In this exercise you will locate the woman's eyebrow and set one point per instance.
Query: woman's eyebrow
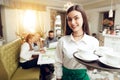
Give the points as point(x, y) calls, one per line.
point(72, 17)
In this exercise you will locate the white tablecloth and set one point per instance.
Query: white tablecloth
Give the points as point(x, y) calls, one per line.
point(47, 58)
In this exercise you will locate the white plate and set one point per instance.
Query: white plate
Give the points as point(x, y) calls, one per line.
point(102, 51)
point(102, 60)
point(87, 58)
point(99, 53)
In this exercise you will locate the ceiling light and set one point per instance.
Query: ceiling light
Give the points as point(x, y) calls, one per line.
point(111, 10)
point(110, 13)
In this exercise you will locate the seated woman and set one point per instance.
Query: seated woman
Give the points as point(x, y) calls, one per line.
point(28, 59)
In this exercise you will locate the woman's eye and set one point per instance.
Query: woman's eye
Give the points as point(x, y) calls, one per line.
point(76, 18)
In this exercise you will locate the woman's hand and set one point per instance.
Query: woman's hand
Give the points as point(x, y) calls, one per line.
point(43, 50)
point(90, 68)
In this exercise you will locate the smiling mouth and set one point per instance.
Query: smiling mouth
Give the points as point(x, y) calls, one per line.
point(74, 27)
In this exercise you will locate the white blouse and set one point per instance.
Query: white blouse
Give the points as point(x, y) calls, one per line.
point(65, 49)
point(25, 53)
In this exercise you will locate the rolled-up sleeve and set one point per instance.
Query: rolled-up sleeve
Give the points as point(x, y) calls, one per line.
point(59, 60)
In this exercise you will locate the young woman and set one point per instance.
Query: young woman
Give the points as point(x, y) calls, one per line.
point(77, 38)
point(28, 59)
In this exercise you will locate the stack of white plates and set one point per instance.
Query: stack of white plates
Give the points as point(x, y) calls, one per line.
point(86, 56)
point(111, 59)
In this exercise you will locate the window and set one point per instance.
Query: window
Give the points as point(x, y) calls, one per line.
point(58, 21)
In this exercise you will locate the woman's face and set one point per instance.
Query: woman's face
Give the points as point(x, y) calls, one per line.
point(31, 40)
point(75, 20)
point(34, 39)
point(37, 37)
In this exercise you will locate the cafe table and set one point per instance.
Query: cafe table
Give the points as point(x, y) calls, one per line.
point(48, 57)
point(100, 68)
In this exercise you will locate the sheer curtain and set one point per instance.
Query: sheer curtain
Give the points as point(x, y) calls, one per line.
point(25, 22)
point(26, 26)
point(15, 19)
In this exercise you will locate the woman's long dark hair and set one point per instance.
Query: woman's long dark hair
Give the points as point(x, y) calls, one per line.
point(85, 26)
